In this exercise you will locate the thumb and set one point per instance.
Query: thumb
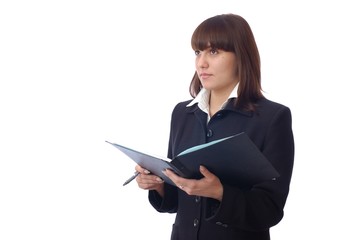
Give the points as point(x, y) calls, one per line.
point(204, 171)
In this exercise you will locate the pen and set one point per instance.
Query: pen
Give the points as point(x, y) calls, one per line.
point(131, 178)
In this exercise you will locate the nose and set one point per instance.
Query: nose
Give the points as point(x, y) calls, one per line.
point(201, 61)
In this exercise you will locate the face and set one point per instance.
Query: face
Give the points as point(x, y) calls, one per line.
point(216, 69)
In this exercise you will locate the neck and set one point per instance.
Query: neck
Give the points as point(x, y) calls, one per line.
point(217, 98)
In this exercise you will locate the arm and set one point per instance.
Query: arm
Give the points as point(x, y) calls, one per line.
point(161, 195)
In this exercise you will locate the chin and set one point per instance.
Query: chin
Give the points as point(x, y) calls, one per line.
point(207, 86)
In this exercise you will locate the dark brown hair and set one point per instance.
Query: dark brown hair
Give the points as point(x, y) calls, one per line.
point(232, 33)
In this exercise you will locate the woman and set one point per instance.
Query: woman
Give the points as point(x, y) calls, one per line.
point(227, 99)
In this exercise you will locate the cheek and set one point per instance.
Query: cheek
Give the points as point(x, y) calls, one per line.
point(196, 65)
point(232, 67)
point(227, 66)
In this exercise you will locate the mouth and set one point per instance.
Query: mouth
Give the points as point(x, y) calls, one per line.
point(204, 75)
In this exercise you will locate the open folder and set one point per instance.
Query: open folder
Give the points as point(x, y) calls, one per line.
point(235, 160)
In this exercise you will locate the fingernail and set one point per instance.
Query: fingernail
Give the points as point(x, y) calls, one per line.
point(146, 171)
point(159, 179)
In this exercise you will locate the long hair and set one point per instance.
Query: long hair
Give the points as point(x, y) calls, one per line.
point(232, 33)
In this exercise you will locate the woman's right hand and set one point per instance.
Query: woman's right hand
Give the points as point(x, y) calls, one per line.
point(148, 181)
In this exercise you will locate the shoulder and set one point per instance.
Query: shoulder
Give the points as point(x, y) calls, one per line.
point(181, 107)
point(266, 105)
point(183, 104)
point(273, 112)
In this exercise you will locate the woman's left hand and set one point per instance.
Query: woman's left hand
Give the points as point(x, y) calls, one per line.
point(209, 186)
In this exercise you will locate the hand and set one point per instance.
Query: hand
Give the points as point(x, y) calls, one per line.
point(149, 181)
point(209, 186)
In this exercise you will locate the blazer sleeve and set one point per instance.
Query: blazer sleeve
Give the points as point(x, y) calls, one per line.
point(169, 203)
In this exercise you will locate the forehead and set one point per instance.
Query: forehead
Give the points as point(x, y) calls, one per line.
point(213, 33)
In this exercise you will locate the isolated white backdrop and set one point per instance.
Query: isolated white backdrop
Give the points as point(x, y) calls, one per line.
point(76, 73)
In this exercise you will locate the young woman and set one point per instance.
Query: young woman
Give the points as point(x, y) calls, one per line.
point(227, 99)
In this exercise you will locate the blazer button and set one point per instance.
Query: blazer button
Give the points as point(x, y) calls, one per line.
point(222, 224)
point(198, 199)
point(209, 133)
point(195, 222)
point(219, 115)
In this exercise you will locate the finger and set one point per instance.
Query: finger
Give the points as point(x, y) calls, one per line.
point(174, 177)
point(138, 168)
point(149, 178)
point(205, 172)
point(170, 174)
point(149, 186)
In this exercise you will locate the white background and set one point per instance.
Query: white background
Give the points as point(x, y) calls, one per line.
point(76, 73)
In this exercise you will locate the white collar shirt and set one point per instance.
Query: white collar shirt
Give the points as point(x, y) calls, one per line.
point(202, 99)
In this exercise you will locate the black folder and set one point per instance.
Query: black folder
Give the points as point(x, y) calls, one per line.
point(235, 160)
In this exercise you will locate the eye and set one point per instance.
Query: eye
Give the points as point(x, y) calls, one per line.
point(213, 51)
point(197, 52)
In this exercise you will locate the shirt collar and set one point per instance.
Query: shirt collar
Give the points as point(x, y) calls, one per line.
point(202, 99)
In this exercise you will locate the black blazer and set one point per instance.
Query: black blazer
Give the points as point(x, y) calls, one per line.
point(243, 213)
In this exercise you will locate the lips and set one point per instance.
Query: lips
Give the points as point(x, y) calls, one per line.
point(204, 75)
